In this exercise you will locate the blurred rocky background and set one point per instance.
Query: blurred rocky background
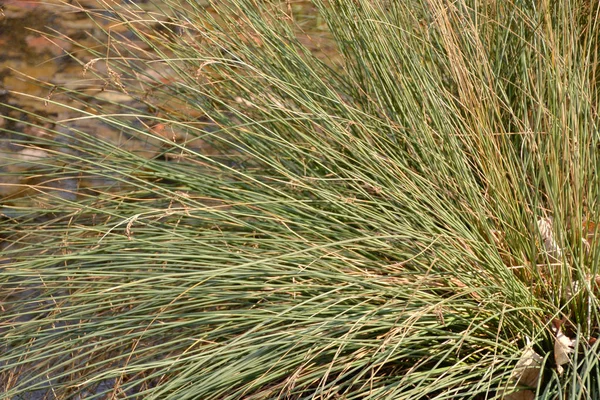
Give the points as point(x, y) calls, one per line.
point(38, 52)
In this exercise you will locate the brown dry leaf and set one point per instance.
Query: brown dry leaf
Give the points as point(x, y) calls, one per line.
point(520, 395)
point(563, 346)
point(527, 370)
point(526, 373)
point(550, 245)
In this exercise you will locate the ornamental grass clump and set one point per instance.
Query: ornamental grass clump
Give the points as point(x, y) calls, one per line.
point(335, 200)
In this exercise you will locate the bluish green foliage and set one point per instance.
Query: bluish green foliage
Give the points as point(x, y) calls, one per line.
point(361, 223)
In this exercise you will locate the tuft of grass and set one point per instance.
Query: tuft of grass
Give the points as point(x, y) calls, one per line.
point(334, 200)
